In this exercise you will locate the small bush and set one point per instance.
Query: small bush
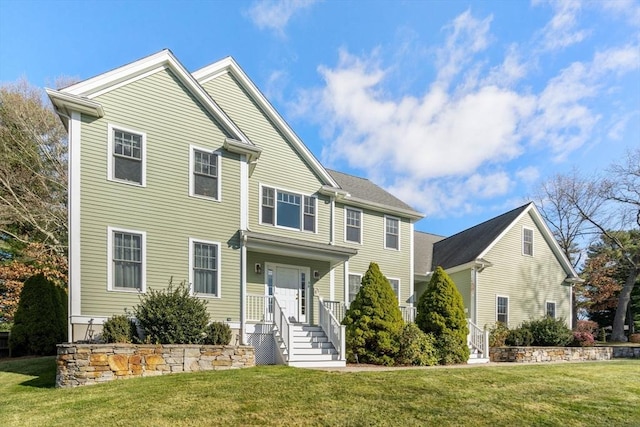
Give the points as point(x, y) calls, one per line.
point(119, 329)
point(172, 316)
point(498, 335)
point(519, 337)
point(583, 339)
point(415, 347)
point(450, 350)
point(587, 326)
point(548, 332)
point(217, 333)
point(634, 338)
point(40, 322)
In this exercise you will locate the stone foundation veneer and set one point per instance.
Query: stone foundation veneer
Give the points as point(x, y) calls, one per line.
point(559, 354)
point(85, 364)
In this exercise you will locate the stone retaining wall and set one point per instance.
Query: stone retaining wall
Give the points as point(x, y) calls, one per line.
point(84, 364)
point(558, 354)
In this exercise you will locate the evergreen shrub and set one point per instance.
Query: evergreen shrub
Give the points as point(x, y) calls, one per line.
point(172, 316)
point(440, 311)
point(519, 337)
point(119, 329)
point(217, 333)
point(40, 321)
point(548, 332)
point(415, 347)
point(373, 321)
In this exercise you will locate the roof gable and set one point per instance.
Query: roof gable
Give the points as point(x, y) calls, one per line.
point(78, 95)
point(423, 251)
point(229, 65)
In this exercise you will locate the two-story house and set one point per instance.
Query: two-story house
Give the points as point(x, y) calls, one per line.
point(196, 177)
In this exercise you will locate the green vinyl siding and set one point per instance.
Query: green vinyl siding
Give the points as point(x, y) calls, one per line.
point(393, 263)
point(280, 166)
point(528, 281)
point(160, 106)
point(462, 280)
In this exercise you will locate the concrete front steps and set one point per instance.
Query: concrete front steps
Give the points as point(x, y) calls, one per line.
point(312, 349)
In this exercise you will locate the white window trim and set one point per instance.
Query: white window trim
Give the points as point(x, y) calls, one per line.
point(532, 241)
point(143, 285)
point(361, 242)
point(508, 315)
point(218, 154)
point(193, 240)
point(110, 128)
point(352, 274)
point(385, 232)
point(555, 308)
point(275, 208)
point(399, 286)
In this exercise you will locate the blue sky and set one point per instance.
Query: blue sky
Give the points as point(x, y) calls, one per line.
point(460, 108)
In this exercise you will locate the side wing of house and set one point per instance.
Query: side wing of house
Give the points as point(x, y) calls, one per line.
point(154, 195)
point(528, 278)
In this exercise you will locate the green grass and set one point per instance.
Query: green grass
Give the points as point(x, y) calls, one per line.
point(568, 394)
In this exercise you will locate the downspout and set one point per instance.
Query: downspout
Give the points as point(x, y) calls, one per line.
point(332, 220)
point(243, 287)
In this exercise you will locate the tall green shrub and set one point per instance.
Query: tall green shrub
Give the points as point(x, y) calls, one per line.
point(172, 316)
point(440, 311)
point(373, 321)
point(40, 322)
point(119, 329)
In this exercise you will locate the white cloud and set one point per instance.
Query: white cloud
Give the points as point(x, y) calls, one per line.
point(275, 14)
point(528, 174)
point(562, 30)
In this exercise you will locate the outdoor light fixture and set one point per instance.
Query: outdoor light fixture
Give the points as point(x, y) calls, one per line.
point(258, 268)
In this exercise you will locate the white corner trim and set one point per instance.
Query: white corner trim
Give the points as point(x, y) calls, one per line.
point(411, 266)
point(75, 272)
point(332, 284)
point(193, 240)
point(244, 193)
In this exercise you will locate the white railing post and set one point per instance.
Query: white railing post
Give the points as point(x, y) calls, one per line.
point(284, 328)
point(336, 333)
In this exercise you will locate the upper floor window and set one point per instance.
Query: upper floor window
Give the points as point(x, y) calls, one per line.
point(395, 285)
point(205, 173)
point(286, 209)
point(527, 241)
point(355, 281)
point(502, 309)
point(126, 155)
point(126, 260)
point(353, 225)
point(391, 233)
point(551, 309)
point(205, 267)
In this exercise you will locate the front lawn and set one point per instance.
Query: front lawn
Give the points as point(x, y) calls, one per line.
point(567, 394)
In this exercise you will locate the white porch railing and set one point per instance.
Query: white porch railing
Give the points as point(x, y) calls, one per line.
point(260, 308)
point(408, 313)
point(478, 339)
point(337, 308)
point(332, 328)
point(284, 328)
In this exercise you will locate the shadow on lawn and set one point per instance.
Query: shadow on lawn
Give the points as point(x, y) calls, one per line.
point(42, 368)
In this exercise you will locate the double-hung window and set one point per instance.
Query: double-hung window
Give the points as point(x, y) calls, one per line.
point(502, 309)
point(551, 309)
point(391, 233)
point(527, 241)
point(287, 209)
point(205, 173)
point(205, 268)
point(353, 225)
point(126, 155)
point(355, 281)
point(127, 260)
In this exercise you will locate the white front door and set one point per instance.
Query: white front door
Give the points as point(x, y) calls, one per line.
point(289, 287)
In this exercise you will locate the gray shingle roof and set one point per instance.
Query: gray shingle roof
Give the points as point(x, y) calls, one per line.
point(364, 189)
point(467, 245)
point(423, 251)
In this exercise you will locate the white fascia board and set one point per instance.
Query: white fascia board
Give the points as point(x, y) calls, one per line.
point(228, 64)
point(151, 64)
point(66, 103)
point(505, 231)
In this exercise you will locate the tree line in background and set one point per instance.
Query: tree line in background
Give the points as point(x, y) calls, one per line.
point(596, 221)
